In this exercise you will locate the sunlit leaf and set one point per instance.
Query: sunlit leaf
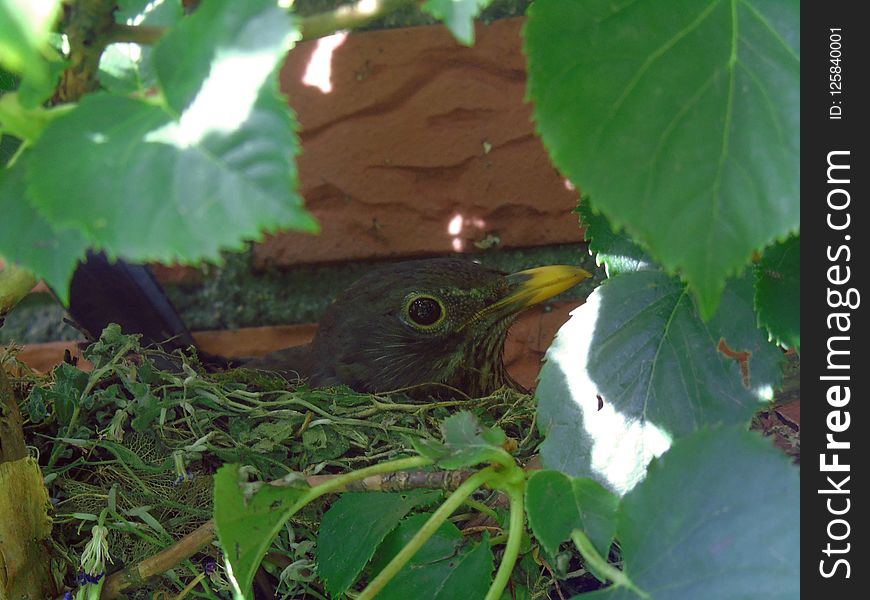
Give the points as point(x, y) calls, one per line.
point(129, 68)
point(636, 367)
point(102, 170)
point(179, 182)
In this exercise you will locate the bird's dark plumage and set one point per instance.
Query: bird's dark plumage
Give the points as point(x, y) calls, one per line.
point(104, 291)
point(440, 321)
point(403, 325)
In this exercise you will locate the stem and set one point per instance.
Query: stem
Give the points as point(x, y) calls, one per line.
point(87, 22)
point(600, 566)
point(15, 284)
point(438, 517)
point(481, 507)
point(190, 587)
point(341, 481)
point(326, 488)
point(348, 16)
point(512, 549)
point(160, 562)
point(133, 34)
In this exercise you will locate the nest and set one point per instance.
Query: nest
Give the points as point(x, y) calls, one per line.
point(139, 437)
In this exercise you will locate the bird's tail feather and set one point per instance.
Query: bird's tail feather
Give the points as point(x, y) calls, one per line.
point(104, 291)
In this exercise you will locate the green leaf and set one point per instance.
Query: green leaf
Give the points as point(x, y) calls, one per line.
point(25, 26)
point(738, 330)
point(129, 68)
point(28, 239)
point(777, 292)
point(557, 504)
point(618, 252)
point(442, 545)
point(466, 443)
point(443, 569)
point(69, 383)
point(36, 405)
point(143, 181)
point(457, 15)
point(230, 49)
point(353, 528)
point(636, 367)
point(101, 170)
point(246, 523)
point(148, 410)
point(682, 120)
point(718, 517)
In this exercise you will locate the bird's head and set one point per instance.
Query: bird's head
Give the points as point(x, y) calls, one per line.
point(429, 321)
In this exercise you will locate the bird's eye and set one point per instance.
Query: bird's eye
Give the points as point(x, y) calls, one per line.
point(425, 311)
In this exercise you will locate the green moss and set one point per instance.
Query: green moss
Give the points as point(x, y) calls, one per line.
point(253, 381)
point(234, 296)
point(38, 317)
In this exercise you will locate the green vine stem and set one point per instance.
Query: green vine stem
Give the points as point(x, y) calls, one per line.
point(516, 529)
point(600, 566)
point(330, 486)
point(481, 507)
point(453, 502)
point(341, 481)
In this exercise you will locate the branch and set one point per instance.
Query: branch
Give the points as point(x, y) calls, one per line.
point(87, 22)
point(133, 34)
point(15, 284)
point(400, 481)
point(192, 543)
point(164, 560)
point(12, 444)
point(347, 16)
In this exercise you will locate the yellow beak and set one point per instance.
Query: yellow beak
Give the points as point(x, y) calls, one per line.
point(532, 286)
point(536, 285)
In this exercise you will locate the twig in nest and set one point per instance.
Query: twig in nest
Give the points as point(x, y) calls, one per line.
point(162, 561)
point(192, 543)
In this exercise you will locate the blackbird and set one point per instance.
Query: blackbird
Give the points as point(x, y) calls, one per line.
point(435, 321)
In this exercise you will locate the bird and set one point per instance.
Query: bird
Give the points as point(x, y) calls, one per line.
point(411, 324)
point(440, 321)
point(104, 290)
